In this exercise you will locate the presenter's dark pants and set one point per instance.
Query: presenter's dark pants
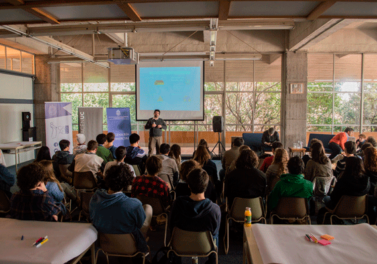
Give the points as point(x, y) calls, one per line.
point(154, 144)
point(335, 150)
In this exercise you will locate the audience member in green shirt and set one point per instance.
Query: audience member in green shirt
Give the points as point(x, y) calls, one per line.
point(103, 152)
point(292, 184)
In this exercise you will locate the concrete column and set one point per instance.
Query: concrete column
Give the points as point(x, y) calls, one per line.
point(46, 89)
point(293, 106)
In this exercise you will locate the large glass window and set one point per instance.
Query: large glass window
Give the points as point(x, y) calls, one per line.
point(339, 96)
point(246, 93)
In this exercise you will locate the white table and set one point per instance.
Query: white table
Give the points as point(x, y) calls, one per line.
point(15, 148)
point(66, 241)
point(286, 244)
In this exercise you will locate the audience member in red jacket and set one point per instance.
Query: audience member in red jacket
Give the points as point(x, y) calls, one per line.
point(337, 143)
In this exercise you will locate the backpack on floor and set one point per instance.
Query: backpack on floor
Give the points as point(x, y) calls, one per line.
point(163, 252)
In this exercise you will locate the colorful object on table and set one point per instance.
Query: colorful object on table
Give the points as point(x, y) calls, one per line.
point(40, 244)
point(327, 237)
point(22, 238)
point(314, 238)
point(324, 242)
point(39, 241)
point(248, 216)
point(308, 238)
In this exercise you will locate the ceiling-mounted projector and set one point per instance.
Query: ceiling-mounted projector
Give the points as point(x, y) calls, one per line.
point(123, 55)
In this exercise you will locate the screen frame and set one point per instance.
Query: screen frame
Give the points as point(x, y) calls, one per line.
point(203, 94)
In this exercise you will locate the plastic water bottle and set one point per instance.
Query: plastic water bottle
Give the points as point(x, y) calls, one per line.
point(248, 216)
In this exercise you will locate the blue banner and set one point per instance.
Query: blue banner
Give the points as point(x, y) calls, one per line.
point(119, 122)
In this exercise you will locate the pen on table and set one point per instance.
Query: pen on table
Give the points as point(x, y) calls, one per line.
point(315, 239)
point(22, 238)
point(40, 244)
point(310, 239)
point(39, 240)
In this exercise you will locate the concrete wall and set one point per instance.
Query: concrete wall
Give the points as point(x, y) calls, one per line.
point(46, 89)
point(293, 106)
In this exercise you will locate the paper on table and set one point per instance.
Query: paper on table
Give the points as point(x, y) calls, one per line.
point(286, 244)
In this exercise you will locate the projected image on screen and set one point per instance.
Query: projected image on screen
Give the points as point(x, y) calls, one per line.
point(174, 88)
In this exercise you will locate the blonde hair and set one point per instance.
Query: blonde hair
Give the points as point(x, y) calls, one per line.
point(50, 175)
point(202, 155)
point(281, 159)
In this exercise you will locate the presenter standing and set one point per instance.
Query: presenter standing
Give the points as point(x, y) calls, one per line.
point(155, 126)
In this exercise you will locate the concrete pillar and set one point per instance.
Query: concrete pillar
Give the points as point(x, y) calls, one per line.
point(293, 106)
point(46, 89)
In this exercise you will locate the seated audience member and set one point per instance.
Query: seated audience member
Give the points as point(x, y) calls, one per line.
point(7, 180)
point(307, 157)
point(112, 212)
point(103, 152)
point(81, 147)
point(360, 142)
point(204, 143)
point(43, 154)
point(203, 157)
point(270, 136)
point(319, 165)
point(63, 156)
point(89, 161)
point(175, 153)
point(370, 165)
point(110, 143)
point(233, 165)
point(246, 181)
point(120, 153)
point(135, 155)
point(337, 142)
point(33, 202)
point(229, 156)
point(169, 166)
point(349, 151)
point(372, 141)
point(360, 153)
point(268, 160)
point(292, 184)
point(53, 186)
point(183, 189)
point(151, 185)
point(277, 168)
point(354, 182)
point(195, 212)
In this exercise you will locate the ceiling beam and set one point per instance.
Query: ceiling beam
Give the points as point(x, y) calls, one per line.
point(118, 38)
point(224, 7)
point(320, 9)
point(48, 3)
point(307, 34)
point(129, 11)
point(42, 15)
point(16, 2)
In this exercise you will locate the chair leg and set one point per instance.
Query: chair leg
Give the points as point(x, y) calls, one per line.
point(217, 258)
point(166, 229)
point(79, 216)
point(143, 258)
point(367, 219)
point(271, 220)
point(226, 236)
point(107, 258)
point(324, 218)
point(95, 261)
point(331, 219)
point(309, 220)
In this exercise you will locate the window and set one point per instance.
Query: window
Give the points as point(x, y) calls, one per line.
point(339, 96)
point(15, 60)
point(246, 93)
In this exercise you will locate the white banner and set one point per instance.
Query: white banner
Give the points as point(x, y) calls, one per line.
point(90, 122)
point(58, 117)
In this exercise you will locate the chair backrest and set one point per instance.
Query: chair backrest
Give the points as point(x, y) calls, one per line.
point(119, 244)
point(239, 204)
point(191, 243)
point(85, 201)
point(325, 138)
point(84, 180)
point(166, 179)
point(137, 170)
point(65, 173)
point(322, 185)
point(156, 204)
point(4, 203)
point(351, 206)
point(253, 140)
point(292, 207)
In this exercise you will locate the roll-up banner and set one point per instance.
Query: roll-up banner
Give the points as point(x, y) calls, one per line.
point(90, 122)
point(119, 122)
point(58, 118)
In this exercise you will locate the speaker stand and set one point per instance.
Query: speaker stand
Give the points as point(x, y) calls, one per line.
point(221, 147)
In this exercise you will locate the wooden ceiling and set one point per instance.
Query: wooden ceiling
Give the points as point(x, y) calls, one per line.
point(57, 11)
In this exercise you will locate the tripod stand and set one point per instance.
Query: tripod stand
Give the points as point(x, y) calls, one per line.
point(221, 147)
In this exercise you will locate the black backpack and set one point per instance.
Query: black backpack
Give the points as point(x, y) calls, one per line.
point(164, 257)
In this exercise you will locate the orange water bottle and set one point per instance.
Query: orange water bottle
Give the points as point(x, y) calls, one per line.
point(247, 216)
